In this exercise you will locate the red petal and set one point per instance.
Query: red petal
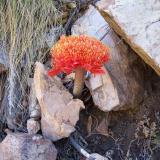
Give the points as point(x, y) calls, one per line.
point(98, 71)
point(53, 72)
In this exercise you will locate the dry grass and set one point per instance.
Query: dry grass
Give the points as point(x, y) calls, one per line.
point(22, 29)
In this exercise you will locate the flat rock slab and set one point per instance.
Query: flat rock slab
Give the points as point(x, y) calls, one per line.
point(138, 22)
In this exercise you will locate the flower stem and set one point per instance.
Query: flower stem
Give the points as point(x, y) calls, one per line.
point(78, 82)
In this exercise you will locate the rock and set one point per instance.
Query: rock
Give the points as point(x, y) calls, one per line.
point(33, 126)
point(104, 94)
point(52, 35)
point(102, 127)
point(69, 3)
point(36, 114)
point(59, 110)
point(138, 22)
point(96, 156)
point(34, 108)
point(124, 68)
point(21, 146)
point(4, 62)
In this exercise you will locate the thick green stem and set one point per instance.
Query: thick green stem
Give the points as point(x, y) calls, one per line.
point(78, 82)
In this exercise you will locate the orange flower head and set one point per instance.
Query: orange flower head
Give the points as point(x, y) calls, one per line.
point(78, 51)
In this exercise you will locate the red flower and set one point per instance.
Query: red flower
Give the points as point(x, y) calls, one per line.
point(78, 51)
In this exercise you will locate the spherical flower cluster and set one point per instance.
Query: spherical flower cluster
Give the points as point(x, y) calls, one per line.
point(78, 51)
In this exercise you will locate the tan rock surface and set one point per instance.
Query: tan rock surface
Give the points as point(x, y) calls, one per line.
point(103, 92)
point(59, 111)
point(138, 22)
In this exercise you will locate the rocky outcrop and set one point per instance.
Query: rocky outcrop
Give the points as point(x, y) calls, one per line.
point(125, 69)
point(21, 146)
point(59, 111)
point(138, 22)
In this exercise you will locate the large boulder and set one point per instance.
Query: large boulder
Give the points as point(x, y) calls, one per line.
point(59, 111)
point(122, 87)
point(138, 22)
point(21, 146)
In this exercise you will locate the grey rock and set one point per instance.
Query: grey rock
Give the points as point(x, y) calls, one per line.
point(52, 35)
point(21, 146)
point(36, 114)
point(34, 108)
point(138, 23)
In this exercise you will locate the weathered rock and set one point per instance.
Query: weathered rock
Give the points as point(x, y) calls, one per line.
point(104, 94)
point(4, 62)
point(124, 67)
point(20, 146)
point(33, 126)
point(34, 108)
point(58, 109)
point(138, 22)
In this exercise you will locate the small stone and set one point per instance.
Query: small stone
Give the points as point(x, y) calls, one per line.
point(37, 137)
point(71, 5)
point(34, 108)
point(36, 114)
point(33, 126)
